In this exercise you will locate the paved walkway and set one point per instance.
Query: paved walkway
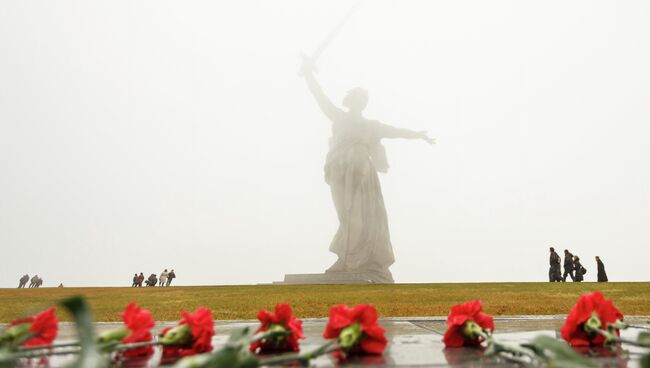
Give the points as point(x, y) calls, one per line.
point(417, 341)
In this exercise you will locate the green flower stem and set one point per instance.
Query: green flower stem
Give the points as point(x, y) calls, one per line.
point(136, 345)
point(515, 351)
point(647, 328)
point(39, 354)
point(613, 338)
point(269, 335)
point(23, 352)
point(303, 358)
point(52, 346)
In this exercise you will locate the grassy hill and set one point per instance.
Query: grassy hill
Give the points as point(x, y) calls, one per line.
point(398, 300)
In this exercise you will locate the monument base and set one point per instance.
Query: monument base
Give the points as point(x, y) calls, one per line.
point(347, 277)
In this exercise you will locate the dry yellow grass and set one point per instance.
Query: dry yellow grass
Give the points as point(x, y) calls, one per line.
point(398, 300)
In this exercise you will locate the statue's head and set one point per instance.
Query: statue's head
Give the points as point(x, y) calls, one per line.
point(356, 99)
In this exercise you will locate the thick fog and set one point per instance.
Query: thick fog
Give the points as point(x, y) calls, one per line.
point(138, 136)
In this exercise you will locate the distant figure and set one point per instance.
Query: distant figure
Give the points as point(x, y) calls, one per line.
point(568, 265)
point(61, 285)
point(579, 270)
point(170, 277)
point(555, 270)
point(23, 281)
point(152, 280)
point(135, 280)
point(33, 281)
point(163, 278)
point(140, 279)
point(602, 275)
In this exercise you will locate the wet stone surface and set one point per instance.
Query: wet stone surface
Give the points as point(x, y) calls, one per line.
point(415, 342)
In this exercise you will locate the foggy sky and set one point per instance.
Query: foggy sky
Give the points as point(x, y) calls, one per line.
point(137, 136)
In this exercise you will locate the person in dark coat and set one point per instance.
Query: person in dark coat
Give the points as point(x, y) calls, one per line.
point(172, 275)
point(33, 281)
point(23, 281)
point(135, 280)
point(152, 280)
point(602, 275)
point(555, 270)
point(578, 269)
point(568, 266)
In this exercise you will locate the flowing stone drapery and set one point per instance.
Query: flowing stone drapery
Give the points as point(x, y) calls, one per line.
point(362, 241)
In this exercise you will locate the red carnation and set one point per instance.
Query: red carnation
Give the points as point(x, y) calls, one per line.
point(281, 320)
point(43, 327)
point(457, 334)
point(192, 335)
point(139, 322)
point(589, 306)
point(356, 329)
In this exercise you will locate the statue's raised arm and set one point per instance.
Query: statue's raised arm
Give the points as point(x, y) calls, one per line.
point(326, 105)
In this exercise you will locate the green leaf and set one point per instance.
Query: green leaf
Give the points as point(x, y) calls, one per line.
point(559, 354)
point(7, 359)
point(238, 334)
point(645, 361)
point(89, 355)
point(14, 336)
point(644, 339)
point(196, 361)
point(227, 357)
point(234, 354)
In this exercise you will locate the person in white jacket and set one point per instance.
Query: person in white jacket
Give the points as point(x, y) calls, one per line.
point(162, 280)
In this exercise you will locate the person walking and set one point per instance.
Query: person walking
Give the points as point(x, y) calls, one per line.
point(170, 277)
point(152, 280)
point(33, 281)
point(578, 269)
point(23, 281)
point(162, 280)
point(135, 280)
point(555, 270)
point(602, 275)
point(140, 279)
point(568, 266)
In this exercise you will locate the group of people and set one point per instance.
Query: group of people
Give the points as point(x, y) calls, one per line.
point(35, 281)
point(165, 279)
point(572, 268)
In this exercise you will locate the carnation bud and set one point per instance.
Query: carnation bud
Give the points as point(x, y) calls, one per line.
point(593, 326)
point(179, 335)
point(277, 333)
point(618, 325)
point(16, 334)
point(472, 330)
point(593, 323)
point(350, 336)
point(115, 335)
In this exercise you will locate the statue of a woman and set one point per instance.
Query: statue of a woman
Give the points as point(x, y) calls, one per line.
point(355, 155)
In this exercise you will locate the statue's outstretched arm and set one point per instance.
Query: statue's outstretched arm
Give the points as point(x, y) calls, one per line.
point(333, 113)
point(388, 131)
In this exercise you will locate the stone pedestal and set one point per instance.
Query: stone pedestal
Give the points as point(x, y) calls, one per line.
point(348, 277)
